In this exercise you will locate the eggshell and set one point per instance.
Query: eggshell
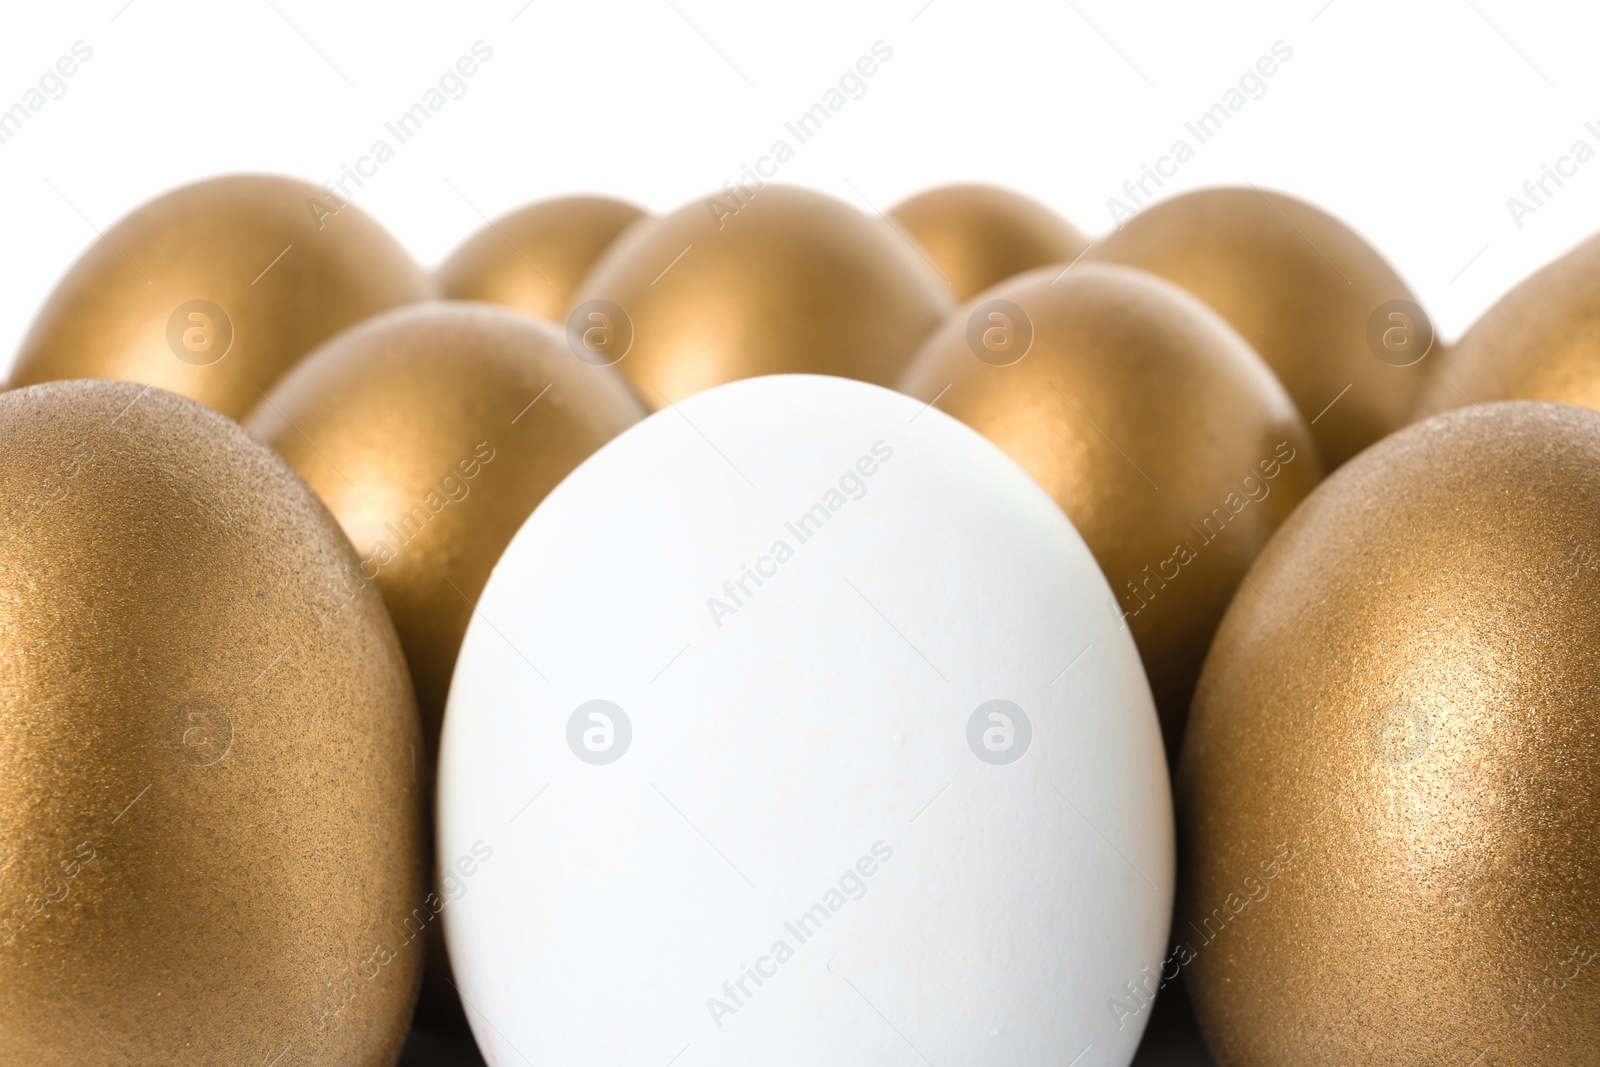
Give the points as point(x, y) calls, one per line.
point(211, 812)
point(1391, 780)
point(1323, 307)
point(215, 289)
point(1540, 341)
point(909, 775)
point(776, 280)
point(980, 235)
point(1161, 434)
point(431, 433)
point(533, 258)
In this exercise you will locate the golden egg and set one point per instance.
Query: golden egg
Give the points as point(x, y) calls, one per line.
point(215, 289)
point(211, 835)
point(773, 280)
point(1390, 786)
point(534, 258)
point(978, 235)
point(1541, 341)
point(1331, 318)
point(431, 433)
point(1166, 441)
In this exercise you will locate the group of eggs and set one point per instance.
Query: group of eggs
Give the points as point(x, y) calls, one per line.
point(803, 609)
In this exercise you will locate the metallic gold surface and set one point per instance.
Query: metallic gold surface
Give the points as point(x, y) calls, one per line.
point(431, 433)
point(534, 258)
point(214, 290)
point(1541, 341)
point(1166, 441)
point(211, 828)
point(777, 280)
point(978, 235)
point(1390, 787)
point(1302, 288)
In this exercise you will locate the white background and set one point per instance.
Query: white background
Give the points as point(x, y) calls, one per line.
point(1413, 121)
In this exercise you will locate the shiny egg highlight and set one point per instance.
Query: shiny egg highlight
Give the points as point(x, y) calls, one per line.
point(769, 281)
point(1390, 786)
point(214, 290)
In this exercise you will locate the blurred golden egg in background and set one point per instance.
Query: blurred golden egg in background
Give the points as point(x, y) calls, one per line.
point(978, 235)
point(211, 835)
point(1541, 341)
point(771, 280)
point(1163, 437)
point(1328, 314)
point(213, 290)
point(1390, 786)
point(533, 258)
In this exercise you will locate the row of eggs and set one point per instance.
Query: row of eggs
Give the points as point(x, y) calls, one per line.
point(795, 659)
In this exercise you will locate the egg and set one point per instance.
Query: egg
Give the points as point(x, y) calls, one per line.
point(431, 433)
point(1538, 342)
point(1152, 424)
point(794, 731)
point(770, 280)
point(215, 289)
point(978, 235)
point(1389, 790)
point(211, 836)
point(1325, 310)
point(534, 258)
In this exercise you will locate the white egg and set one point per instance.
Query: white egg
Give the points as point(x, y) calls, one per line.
point(794, 728)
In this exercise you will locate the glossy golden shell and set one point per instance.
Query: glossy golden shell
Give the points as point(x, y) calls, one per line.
point(1541, 341)
point(211, 803)
point(281, 269)
point(1390, 787)
point(533, 258)
point(390, 424)
point(783, 280)
point(1153, 425)
point(1300, 286)
point(979, 235)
